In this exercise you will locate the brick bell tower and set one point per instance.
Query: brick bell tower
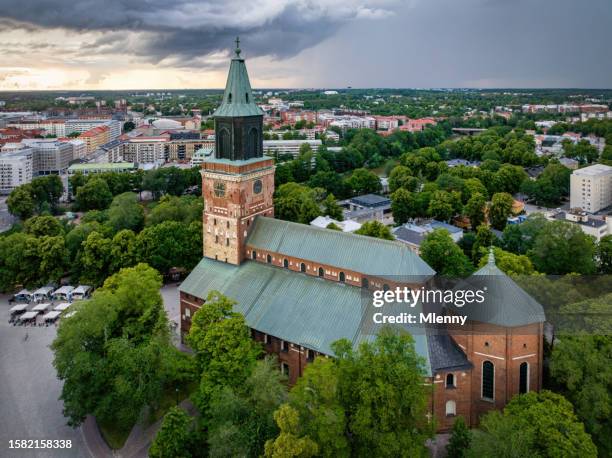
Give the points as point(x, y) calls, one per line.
point(238, 182)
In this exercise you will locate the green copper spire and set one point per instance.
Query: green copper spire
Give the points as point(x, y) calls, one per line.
point(238, 97)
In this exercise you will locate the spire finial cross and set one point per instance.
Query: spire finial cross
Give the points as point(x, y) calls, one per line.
point(237, 50)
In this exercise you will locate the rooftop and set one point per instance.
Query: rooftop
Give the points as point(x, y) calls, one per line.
point(594, 170)
point(370, 200)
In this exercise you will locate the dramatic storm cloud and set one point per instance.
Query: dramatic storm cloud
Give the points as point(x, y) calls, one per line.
point(91, 44)
point(186, 29)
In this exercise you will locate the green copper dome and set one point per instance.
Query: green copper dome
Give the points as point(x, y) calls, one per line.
point(238, 98)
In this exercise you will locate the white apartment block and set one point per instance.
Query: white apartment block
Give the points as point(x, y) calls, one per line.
point(50, 156)
point(83, 125)
point(51, 127)
point(292, 147)
point(144, 150)
point(16, 168)
point(591, 188)
point(79, 148)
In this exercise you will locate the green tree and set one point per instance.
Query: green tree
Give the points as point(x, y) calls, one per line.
point(184, 209)
point(322, 416)
point(401, 177)
point(289, 443)
point(375, 229)
point(53, 258)
point(224, 350)
point(332, 209)
point(475, 209)
point(510, 263)
point(500, 209)
point(170, 244)
point(561, 247)
point(20, 202)
point(444, 255)
point(47, 191)
point(362, 181)
point(459, 441)
point(125, 213)
point(402, 205)
point(441, 206)
point(296, 202)
point(604, 254)
point(381, 386)
point(534, 424)
point(174, 436)
point(95, 259)
point(124, 250)
point(472, 187)
point(93, 195)
point(582, 366)
point(44, 225)
point(241, 419)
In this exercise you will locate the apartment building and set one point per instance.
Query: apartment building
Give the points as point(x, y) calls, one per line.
point(145, 150)
point(591, 188)
point(55, 127)
point(95, 137)
point(83, 125)
point(276, 148)
point(16, 168)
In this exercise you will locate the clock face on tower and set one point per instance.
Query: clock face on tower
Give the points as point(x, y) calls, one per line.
point(257, 186)
point(219, 189)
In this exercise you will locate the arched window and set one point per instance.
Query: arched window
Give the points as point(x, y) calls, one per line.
point(321, 272)
point(252, 142)
point(224, 144)
point(364, 282)
point(254, 255)
point(488, 380)
point(285, 264)
point(524, 378)
point(450, 380)
point(451, 408)
point(302, 267)
point(342, 277)
point(269, 259)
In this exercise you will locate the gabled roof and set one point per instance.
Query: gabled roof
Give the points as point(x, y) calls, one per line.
point(358, 253)
point(505, 304)
point(293, 306)
point(238, 97)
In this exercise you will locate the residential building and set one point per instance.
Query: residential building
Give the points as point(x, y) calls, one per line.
point(49, 156)
point(83, 125)
point(595, 227)
point(367, 207)
point(417, 125)
point(143, 150)
point(414, 234)
point(55, 127)
point(95, 137)
point(16, 168)
point(591, 188)
point(275, 148)
point(301, 288)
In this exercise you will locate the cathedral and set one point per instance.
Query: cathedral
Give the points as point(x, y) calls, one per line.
point(300, 288)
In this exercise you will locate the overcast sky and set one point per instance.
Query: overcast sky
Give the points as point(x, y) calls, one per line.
point(127, 44)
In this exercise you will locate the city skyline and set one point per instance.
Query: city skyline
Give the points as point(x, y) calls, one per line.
point(305, 44)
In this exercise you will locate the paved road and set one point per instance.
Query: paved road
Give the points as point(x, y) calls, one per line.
point(29, 392)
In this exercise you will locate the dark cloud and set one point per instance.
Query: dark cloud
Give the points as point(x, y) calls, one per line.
point(184, 31)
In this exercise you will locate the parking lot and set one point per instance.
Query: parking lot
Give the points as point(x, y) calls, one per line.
point(30, 390)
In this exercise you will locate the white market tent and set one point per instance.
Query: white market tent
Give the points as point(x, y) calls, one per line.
point(41, 307)
point(28, 316)
point(81, 292)
point(23, 294)
point(61, 307)
point(18, 308)
point(51, 316)
point(42, 293)
point(63, 292)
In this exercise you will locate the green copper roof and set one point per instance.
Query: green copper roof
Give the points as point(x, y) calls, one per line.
point(308, 311)
point(358, 253)
point(238, 98)
point(505, 304)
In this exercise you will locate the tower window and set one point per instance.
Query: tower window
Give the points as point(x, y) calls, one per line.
point(524, 378)
point(227, 242)
point(450, 381)
point(488, 380)
point(246, 96)
point(229, 98)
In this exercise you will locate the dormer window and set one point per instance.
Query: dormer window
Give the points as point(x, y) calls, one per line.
point(246, 95)
point(229, 98)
